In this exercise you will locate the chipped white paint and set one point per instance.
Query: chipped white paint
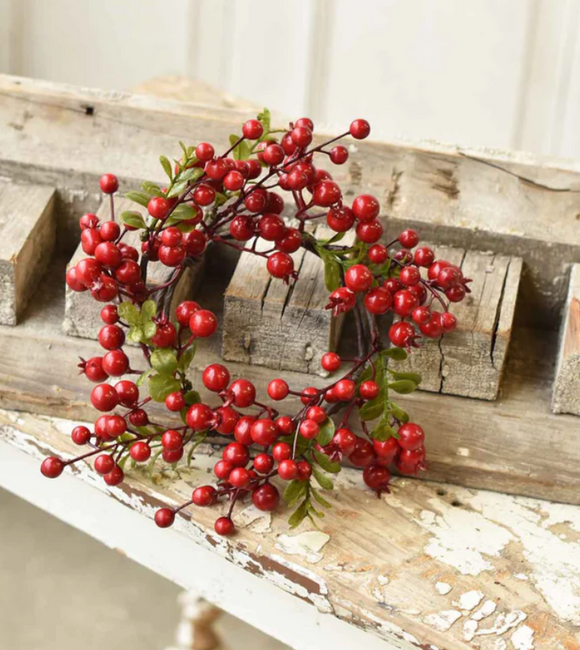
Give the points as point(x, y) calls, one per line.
point(523, 638)
point(383, 580)
point(487, 609)
point(469, 629)
point(463, 451)
point(521, 576)
point(503, 623)
point(307, 544)
point(469, 600)
point(256, 520)
point(500, 644)
point(442, 621)
point(442, 588)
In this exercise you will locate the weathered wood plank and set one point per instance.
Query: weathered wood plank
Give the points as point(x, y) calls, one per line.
point(269, 323)
point(82, 313)
point(27, 236)
point(470, 360)
point(428, 566)
point(497, 445)
point(566, 397)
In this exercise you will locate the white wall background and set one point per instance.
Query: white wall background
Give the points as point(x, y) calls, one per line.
point(499, 73)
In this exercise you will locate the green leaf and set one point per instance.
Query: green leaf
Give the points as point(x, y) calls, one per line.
point(183, 211)
point(192, 397)
point(133, 219)
point(403, 386)
point(266, 119)
point(398, 413)
point(191, 174)
point(148, 311)
point(324, 481)
point(186, 358)
point(318, 497)
point(397, 354)
point(135, 334)
point(164, 361)
point(326, 432)
point(331, 274)
point(144, 377)
point(383, 430)
point(298, 515)
point(415, 377)
point(242, 150)
point(294, 491)
point(166, 166)
point(138, 197)
point(129, 313)
point(160, 386)
point(374, 408)
point(149, 329)
point(151, 188)
point(178, 189)
point(302, 444)
point(326, 463)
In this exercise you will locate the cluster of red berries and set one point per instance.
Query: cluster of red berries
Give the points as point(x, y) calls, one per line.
point(228, 200)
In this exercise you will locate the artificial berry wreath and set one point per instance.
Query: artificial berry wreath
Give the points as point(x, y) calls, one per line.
point(230, 200)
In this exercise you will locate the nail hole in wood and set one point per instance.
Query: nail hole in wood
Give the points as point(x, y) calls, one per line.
point(456, 504)
point(89, 110)
point(441, 492)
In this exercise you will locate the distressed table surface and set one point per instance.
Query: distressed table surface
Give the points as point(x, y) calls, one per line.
point(429, 566)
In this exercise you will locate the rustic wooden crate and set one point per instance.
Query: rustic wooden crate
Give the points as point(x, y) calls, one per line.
point(82, 312)
point(282, 326)
point(470, 361)
point(27, 236)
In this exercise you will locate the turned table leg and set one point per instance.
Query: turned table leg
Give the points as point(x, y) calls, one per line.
point(196, 628)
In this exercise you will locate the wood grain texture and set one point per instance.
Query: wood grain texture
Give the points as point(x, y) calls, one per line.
point(269, 323)
point(470, 361)
point(566, 397)
point(82, 312)
point(429, 565)
point(27, 236)
point(512, 445)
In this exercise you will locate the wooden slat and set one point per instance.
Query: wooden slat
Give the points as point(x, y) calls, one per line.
point(269, 323)
point(27, 236)
point(82, 312)
point(428, 566)
point(566, 398)
point(470, 361)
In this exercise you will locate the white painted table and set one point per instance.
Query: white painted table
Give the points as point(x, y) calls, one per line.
point(430, 566)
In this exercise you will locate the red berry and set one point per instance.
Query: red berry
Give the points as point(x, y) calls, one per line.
point(203, 323)
point(378, 301)
point(171, 236)
point(369, 232)
point(204, 496)
point(345, 440)
point(73, 282)
point(402, 334)
point(411, 436)
point(244, 393)
point(264, 432)
point(172, 455)
point(281, 451)
point(52, 467)
point(199, 417)
point(366, 207)
point(109, 314)
point(172, 440)
point(424, 257)
point(109, 231)
point(273, 155)
point(80, 435)
point(204, 151)
point(234, 181)
point(278, 389)
point(434, 328)
point(409, 238)
point(236, 454)
point(88, 220)
point(104, 464)
point(435, 269)
point(185, 311)
point(115, 476)
point(263, 463)
point(339, 155)
point(404, 302)
point(266, 497)
point(378, 254)
point(111, 337)
point(290, 242)
point(305, 122)
point(105, 289)
point(285, 425)
point(358, 278)
point(159, 207)
point(216, 169)
point(93, 369)
point(271, 227)
point(256, 201)
point(204, 195)
point(344, 389)
point(377, 477)
point(386, 450)
point(297, 180)
point(115, 426)
point(175, 401)
point(164, 517)
point(104, 397)
point(449, 277)
point(421, 315)
point(165, 335)
point(140, 451)
point(90, 239)
point(456, 294)
point(216, 377)
point(252, 129)
point(304, 470)
point(392, 285)
point(222, 469)
point(340, 219)
point(309, 429)
point(115, 363)
point(240, 477)
point(410, 276)
point(138, 418)
point(194, 242)
point(317, 414)
point(330, 362)
point(127, 392)
point(280, 265)
point(360, 129)
point(243, 430)
point(172, 256)
point(101, 427)
point(369, 389)
point(363, 453)
point(109, 183)
point(242, 228)
point(288, 470)
point(448, 322)
point(88, 271)
point(224, 526)
point(301, 136)
point(309, 395)
point(226, 420)
point(326, 193)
